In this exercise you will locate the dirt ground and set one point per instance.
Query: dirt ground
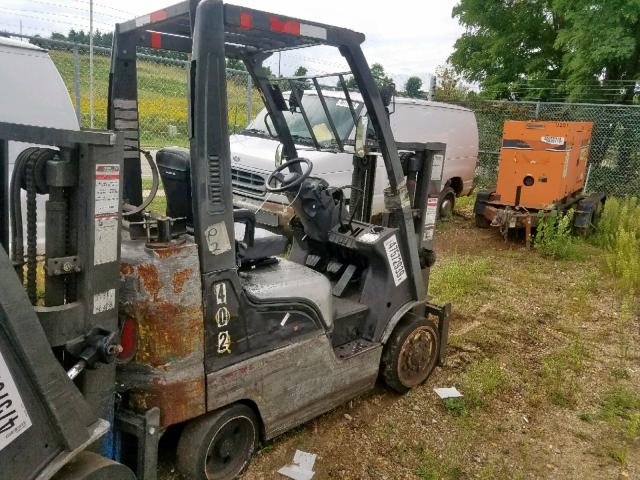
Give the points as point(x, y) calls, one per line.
point(546, 355)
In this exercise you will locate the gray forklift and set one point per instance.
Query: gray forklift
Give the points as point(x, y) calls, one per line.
point(188, 321)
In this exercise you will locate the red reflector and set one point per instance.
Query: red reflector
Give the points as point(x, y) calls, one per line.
point(128, 339)
point(290, 27)
point(246, 20)
point(158, 16)
point(156, 40)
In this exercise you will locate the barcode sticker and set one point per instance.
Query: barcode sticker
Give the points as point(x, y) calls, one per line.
point(14, 419)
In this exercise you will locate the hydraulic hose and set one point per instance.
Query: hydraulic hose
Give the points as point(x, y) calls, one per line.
point(131, 209)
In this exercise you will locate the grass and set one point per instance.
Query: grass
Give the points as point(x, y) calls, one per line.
point(162, 97)
point(481, 382)
point(458, 277)
point(434, 468)
point(560, 374)
point(554, 237)
point(618, 233)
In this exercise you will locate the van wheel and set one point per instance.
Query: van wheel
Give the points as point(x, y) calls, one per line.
point(447, 202)
point(410, 354)
point(218, 445)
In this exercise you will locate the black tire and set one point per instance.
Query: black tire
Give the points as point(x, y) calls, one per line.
point(410, 354)
point(218, 445)
point(482, 221)
point(447, 202)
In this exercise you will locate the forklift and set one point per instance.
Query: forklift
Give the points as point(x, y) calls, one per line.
point(196, 326)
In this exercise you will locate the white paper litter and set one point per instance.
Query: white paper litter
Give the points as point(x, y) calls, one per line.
point(449, 392)
point(301, 468)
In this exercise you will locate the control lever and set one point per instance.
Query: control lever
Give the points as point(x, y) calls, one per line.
point(98, 346)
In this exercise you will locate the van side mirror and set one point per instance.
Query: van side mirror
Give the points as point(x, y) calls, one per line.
point(361, 136)
point(297, 91)
point(387, 92)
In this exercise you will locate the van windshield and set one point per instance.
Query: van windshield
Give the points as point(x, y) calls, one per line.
point(340, 114)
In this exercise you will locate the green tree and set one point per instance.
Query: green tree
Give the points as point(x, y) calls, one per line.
point(523, 48)
point(449, 84)
point(236, 64)
point(300, 71)
point(379, 76)
point(412, 87)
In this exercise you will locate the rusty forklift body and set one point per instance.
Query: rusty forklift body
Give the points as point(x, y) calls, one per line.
point(542, 167)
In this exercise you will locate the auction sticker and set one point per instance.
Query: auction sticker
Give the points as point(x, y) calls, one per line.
point(551, 140)
point(394, 256)
point(14, 419)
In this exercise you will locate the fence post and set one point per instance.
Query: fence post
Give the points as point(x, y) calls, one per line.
point(537, 109)
point(249, 98)
point(76, 82)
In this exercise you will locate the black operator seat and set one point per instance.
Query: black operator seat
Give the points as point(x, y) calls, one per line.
point(174, 164)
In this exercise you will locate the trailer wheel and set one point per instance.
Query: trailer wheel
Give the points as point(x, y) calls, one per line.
point(447, 202)
point(219, 445)
point(410, 354)
point(482, 221)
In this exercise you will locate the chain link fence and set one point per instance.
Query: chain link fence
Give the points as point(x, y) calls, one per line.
point(162, 92)
point(614, 159)
point(614, 165)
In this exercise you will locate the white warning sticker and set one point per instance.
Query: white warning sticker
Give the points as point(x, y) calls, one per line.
point(105, 247)
point(217, 238)
point(14, 418)
point(430, 218)
point(104, 301)
point(394, 256)
point(107, 189)
point(436, 166)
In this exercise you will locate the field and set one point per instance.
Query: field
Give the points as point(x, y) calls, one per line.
point(546, 354)
point(162, 95)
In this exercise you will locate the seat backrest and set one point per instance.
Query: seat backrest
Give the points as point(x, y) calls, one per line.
point(174, 165)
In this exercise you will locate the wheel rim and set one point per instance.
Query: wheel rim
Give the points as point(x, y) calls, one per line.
point(230, 449)
point(446, 207)
point(417, 356)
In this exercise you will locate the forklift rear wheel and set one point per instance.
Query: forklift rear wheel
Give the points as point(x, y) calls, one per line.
point(219, 445)
point(447, 202)
point(410, 354)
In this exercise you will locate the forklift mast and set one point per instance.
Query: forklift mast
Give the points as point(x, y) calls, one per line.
point(210, 31)
point(59, 333)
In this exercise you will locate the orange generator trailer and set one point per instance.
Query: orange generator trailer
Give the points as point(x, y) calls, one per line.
point(543, 167)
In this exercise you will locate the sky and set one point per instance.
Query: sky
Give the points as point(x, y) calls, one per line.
point(408, 37)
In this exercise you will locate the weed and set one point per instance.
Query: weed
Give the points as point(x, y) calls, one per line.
point(481, 382)
point(586, 417)
point(620, 402)
point(434, 468)
point(618, 232)
point(455, 407)
point(458, 276)
point(464, 205)
point(560, 372)
point(620, 373)
point(554, 237)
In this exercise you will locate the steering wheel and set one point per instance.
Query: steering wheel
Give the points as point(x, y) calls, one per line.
point(289, 180)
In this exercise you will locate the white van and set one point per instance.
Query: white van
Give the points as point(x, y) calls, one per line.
point(32, 93)
point(255, 154)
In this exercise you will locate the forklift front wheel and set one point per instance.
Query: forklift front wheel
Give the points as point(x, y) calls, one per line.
point(410, 354)
point(218, 445)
